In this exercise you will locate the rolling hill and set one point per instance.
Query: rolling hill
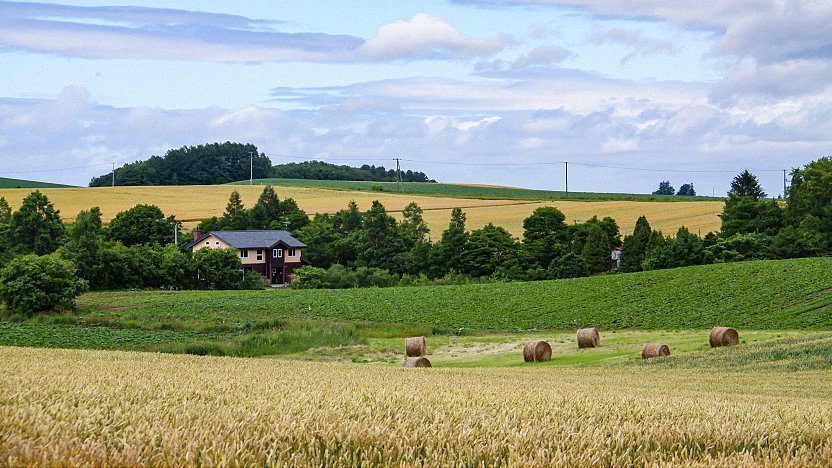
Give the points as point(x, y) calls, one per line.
point(19, 183)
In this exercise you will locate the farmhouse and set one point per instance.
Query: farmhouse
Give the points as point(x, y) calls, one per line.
point(273, 254)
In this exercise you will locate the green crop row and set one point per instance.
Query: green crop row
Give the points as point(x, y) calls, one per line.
point(786, 294)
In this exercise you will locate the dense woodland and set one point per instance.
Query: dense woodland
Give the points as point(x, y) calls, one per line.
point(222, 163)
point(47, 263)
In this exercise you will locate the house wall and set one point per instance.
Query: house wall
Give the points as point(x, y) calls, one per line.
point(215, 243)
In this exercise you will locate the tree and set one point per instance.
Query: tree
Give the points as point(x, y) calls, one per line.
point(747, 214)
point(685, 250)
point(378, 241)
point(293, 218)
point(542, 231)
point(218, 268)
point(449, 253)
point(142, 224)
point(634, 247)
point(84, 245)
point(36, 227)
point(413, 231)
point(489, 250)
point(236, 215)
point(665, 188)
point(596, 250)
point(5, 211)
point(567, 266)
point(32, 284)
point(745, 184)
point(686, 190)
point(267, 209)
point(810, 194)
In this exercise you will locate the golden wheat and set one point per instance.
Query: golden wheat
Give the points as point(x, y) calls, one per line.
point(194, 203)
point(114, 408)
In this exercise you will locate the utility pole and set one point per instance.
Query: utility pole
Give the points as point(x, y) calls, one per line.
point(176, 234)
point(398, 175)
point(251, 168)
point(566, 176)
point(784, 184)
point(114, 174)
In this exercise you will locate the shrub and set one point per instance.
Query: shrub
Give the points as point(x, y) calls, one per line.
point(32, 284)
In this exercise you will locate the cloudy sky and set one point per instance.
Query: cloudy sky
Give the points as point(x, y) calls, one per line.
point(474, 91)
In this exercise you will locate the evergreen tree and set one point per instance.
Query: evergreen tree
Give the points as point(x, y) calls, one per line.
point(416, 249)
point(747, 214)
point(596, 250)
point(449, 253)
point(745, 184)
point(634, 247)
point(5, 211)
point(266, 211)
point(36, 227)
point(685, 250)
point(292, 217)
point(567, 266)
point(236, 215)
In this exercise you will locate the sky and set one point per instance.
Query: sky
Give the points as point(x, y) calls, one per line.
point(468, 91)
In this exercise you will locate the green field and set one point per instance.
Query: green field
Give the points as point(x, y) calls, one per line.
point(483, 192)
point(18, 183)
point(469, 325)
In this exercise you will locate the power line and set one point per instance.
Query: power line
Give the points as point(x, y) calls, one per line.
point(57, 170)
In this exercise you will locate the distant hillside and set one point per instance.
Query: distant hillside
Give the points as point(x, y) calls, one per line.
point(18, 183)
point(222, 163)
point(211, 164)
point(319, 170)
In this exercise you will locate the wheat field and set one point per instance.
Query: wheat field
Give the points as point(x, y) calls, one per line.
point(194, 203)
point(72, 408)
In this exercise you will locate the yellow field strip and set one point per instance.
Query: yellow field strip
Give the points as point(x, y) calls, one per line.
point(61, 407)
point(194, 203)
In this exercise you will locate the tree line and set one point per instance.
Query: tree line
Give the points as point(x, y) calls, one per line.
point(353, 248)
point(222, 163)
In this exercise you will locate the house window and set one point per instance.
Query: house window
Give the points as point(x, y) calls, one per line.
point(218, 243)
point(207, 243)
point(244, 254)
point(291, 252)
point(259, 254)
point(278, 253)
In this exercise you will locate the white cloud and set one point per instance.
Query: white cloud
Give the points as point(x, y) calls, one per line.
point(425, 36)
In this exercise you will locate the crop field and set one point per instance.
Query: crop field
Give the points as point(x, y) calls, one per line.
point(782, 294)
point(70, 407)
point(492, 192)
point(194, 203)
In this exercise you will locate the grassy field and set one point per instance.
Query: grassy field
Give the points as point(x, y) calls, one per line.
point(469, 325)
point(194, 203)
point(19, 183)
point(63, 407)
point(470, 191)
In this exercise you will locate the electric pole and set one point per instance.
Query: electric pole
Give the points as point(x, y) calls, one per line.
point(784, 184)
point(398, 175)
point(566, 176)
point(251, 168)
point(114, 174)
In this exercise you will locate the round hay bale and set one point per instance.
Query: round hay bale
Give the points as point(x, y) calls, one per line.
point(654, 350)
point(723, 336)
point(417, 362)
point(589, 338)
point(415, 346)
point(537, 351)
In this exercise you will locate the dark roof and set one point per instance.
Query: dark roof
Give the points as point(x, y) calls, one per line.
point(252, 239)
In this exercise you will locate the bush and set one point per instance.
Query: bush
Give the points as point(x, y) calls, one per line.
point(32, 284)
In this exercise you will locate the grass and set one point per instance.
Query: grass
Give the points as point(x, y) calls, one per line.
point(19, 183)
point(783, 294)
point(65, 407)
point(194, 203)
point(470, 191)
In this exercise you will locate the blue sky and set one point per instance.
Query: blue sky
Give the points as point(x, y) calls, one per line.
point(473, 91)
